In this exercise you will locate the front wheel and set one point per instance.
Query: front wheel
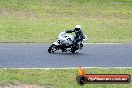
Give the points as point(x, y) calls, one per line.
point(52, 48)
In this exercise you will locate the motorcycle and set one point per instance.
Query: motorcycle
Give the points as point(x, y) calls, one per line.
point(64, 42)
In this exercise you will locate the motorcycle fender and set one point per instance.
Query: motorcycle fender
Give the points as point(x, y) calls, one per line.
point(56, 43)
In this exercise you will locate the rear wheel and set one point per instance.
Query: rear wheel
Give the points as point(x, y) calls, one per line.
point(52, 48)
point(73, 51)
point(74, 48)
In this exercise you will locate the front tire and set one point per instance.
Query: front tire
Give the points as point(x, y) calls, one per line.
point(52, 48)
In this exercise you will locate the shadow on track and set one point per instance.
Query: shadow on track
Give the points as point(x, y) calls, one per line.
point(67, 53)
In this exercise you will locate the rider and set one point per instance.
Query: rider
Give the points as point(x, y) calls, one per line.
point(79, 34)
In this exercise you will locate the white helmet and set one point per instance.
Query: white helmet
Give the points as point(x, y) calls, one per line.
point(78, 26)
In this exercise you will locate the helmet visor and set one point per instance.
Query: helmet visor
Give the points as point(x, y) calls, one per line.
point(77, 29)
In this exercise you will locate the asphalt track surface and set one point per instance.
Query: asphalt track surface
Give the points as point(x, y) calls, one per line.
point(92, 55)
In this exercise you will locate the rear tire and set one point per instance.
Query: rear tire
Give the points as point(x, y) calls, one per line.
point(73, 51)
point(52, 48)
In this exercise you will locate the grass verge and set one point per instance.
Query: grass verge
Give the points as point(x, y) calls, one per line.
point(42, 20)
point(59, 78)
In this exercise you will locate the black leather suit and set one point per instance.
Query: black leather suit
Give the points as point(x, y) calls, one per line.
point(79, 36)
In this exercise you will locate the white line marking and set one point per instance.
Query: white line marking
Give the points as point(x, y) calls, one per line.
point(71, 68)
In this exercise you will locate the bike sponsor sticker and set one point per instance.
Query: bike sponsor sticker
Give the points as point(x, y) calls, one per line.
point(83, 78)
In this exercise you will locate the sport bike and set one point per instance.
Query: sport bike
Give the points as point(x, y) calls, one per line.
point(64, 43)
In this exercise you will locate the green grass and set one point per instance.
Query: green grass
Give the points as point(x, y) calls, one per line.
point(57, 78)
point(42, 20)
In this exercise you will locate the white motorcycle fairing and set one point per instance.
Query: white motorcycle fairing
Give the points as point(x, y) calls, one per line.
point(56, 43)
point(64, 38)
point(64, 42)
